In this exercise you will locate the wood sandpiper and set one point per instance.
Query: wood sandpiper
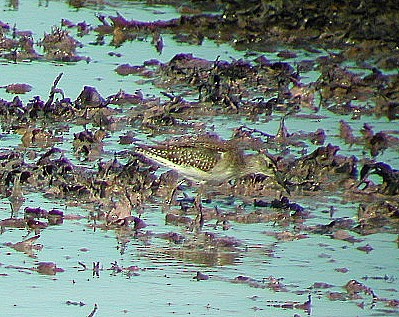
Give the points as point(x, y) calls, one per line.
point(208, 159)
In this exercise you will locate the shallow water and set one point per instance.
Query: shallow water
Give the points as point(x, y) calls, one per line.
point(163, 284)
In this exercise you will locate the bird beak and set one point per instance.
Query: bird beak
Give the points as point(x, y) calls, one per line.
point(281, 181)
point(279, 175)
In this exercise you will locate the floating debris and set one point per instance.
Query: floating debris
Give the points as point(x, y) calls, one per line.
point(48, 268)
point(17, 89)
point(27, 246)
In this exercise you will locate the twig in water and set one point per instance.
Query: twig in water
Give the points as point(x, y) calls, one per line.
point(93, 311)
point(54, 90)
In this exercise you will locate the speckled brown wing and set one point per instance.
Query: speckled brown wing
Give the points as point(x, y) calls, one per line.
point(199, 157)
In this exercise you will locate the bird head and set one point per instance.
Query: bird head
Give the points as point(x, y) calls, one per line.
point(264, 163)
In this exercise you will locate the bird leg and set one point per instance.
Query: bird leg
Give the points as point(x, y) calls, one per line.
point(199, 219)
